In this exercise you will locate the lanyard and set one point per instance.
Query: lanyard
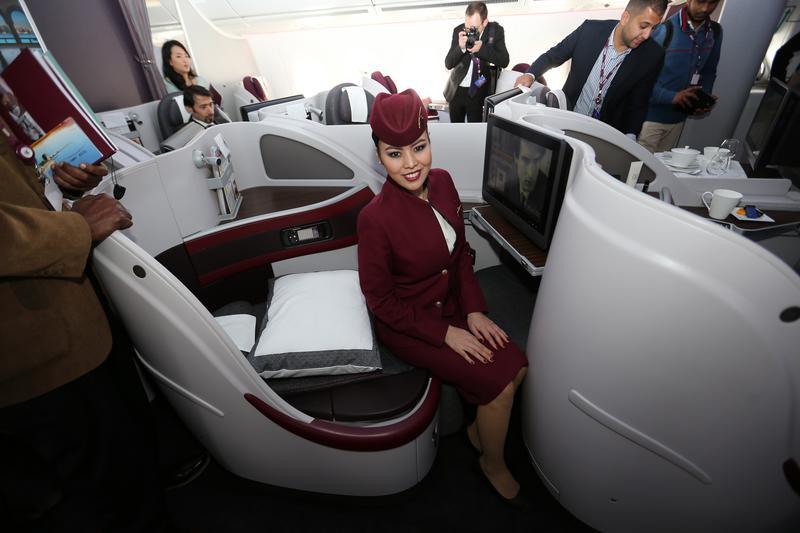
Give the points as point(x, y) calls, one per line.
point(476, 65)
point(692, 35)
point(603, 77)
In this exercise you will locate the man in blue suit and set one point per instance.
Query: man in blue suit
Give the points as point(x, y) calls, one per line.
point(692, 43)
point(614, 66)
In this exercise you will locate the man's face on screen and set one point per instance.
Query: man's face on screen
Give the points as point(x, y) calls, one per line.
point(527, 163)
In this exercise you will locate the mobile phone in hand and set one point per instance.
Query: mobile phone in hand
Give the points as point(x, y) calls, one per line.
point(704, 100)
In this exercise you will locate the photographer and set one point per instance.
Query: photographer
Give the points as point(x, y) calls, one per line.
point(692, 43)
point(477, 53)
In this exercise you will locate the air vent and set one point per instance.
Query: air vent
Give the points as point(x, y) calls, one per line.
point(290, 15)
point(441, 4)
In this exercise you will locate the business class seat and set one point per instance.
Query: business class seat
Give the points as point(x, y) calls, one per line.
point(251, 91)
point(348, 103)
point(376, 437)
point(253, 86)
point(388, 83)
point(216, 96)
point(171, 114)
point(174, 125)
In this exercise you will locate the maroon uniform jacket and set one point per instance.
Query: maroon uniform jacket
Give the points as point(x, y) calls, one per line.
point(412, 283)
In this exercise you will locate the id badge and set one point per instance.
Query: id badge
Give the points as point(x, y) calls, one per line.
point(695, 79)
point(480, 81)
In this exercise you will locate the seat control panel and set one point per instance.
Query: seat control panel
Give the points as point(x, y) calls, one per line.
point(306, 234)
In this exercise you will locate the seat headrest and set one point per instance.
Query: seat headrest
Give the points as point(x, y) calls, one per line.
point(392, 87)
point(556, 98)
point(171, 114)
point(521, 67)
point(254, 87)
point(348, 104)
point(215, 95)
point(386, 81)
point(539, 93)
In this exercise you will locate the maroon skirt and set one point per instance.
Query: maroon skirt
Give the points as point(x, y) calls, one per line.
point(478, 383)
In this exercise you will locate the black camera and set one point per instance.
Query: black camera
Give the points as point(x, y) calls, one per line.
point(472, 36)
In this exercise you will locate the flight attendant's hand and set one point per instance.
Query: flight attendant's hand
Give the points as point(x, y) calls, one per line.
point(467, 346)
point(487, 331)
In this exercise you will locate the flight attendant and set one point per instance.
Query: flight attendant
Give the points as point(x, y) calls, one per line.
point(416, 274)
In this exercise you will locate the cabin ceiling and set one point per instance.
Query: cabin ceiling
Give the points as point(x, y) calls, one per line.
point(243, 17)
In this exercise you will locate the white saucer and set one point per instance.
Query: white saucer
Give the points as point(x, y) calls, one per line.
point(673, 166)
point(666, 158)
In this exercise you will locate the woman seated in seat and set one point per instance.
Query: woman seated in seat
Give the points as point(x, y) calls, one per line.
point(415, 270)
point(176, 64)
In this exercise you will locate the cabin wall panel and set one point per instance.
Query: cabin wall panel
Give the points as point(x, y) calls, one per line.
point(220, 58)
point(91, 42)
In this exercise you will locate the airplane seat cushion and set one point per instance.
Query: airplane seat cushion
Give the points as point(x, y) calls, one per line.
point(348, 104)
point(521, 67)
point(372, 396)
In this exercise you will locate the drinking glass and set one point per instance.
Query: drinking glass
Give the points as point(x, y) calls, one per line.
point(721, 161)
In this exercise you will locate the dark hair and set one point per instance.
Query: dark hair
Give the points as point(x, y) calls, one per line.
point(376, 140)
point(166, 68)
point(637, 6)
point(191, 92)
point(477, 7)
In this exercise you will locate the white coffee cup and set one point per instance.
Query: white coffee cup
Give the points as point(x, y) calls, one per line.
point(710, 151)
point(721, 203)
point(683, 157)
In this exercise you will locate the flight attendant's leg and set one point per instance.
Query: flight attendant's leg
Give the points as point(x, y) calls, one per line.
point(489, 431)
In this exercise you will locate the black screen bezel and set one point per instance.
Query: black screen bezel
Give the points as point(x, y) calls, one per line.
point(757, 152)
point(540, 232)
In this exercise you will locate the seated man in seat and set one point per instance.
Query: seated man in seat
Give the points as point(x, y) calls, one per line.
point(200, 105)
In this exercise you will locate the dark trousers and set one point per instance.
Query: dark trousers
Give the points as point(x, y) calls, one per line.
point(463, 105)
point(82, 457)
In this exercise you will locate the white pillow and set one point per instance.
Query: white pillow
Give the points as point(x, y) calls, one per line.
point(317, 324)
point(240, 328)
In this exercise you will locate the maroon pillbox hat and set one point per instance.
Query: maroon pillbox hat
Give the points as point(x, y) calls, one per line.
point(398, 119)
